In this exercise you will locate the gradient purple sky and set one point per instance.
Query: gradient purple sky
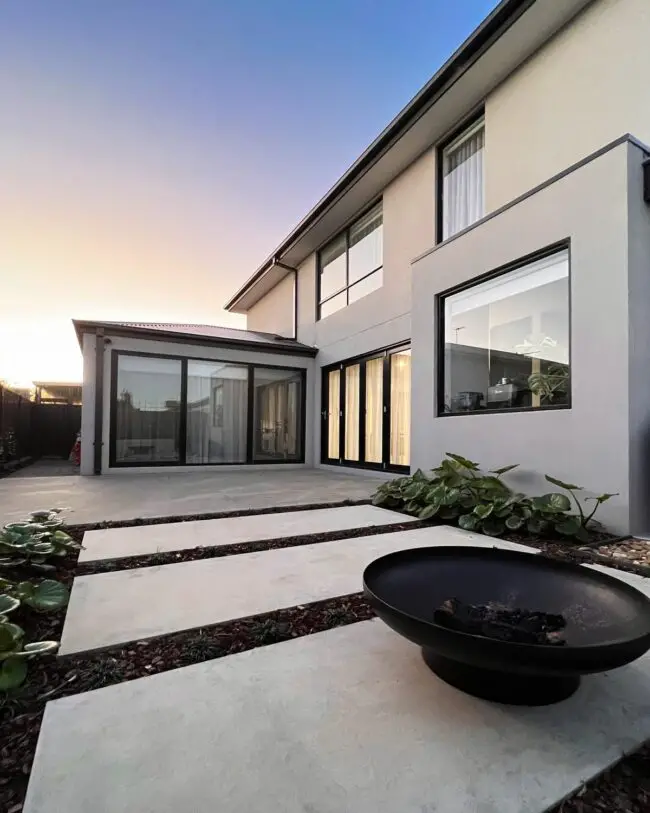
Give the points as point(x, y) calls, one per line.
point(153, 153)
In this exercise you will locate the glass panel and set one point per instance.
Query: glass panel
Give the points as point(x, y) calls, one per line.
point(147, 410)
point(366, 245)
point(332, 267)
point(352, 381)
point(278, 414)
point(334, 304)
point(507, 340)
point(374, 409)
point(217, 408)
point(463, 191)
point(333, 410)
point(400, 408)
point(366, 286)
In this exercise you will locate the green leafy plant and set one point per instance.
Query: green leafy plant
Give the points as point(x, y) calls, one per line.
point(14, 651)
point(35, 541)
point(585, 518)
point(28, 548)
point(457, 491)
point(551, 383)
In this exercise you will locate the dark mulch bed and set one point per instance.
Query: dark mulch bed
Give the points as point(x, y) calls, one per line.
point(216, 551)
point(51, 678)
point(78, 530)
point(623, 789)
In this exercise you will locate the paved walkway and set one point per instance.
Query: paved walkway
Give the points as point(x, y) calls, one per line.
point(115, 543)
point(345, 721)
point(129, 496)
point(127, 605)
point(48, 467)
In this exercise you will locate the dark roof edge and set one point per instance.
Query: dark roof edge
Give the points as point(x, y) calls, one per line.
point(492, 27)
point(82, 326)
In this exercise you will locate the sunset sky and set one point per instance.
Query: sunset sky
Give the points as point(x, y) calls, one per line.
point(154, 152)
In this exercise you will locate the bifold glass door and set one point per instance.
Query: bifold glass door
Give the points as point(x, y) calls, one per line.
point(366, 411)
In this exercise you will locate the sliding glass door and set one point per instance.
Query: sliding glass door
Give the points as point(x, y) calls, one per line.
point(217, 404)
point(169, 411)
point(366, 411)
point(147, 410)
point(278, 415)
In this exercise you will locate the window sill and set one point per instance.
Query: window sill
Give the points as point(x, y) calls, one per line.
point(505, 411)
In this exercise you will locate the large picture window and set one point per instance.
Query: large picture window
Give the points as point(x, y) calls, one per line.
point(507, 340)
point(176, 411)
point(463, 193)
point(351, 265)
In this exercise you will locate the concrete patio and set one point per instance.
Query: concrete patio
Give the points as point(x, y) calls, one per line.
point(125, 496)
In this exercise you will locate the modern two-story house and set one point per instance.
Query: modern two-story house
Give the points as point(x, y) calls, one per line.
point(478, 281)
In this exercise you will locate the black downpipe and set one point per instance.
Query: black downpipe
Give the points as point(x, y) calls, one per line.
point(99, 400)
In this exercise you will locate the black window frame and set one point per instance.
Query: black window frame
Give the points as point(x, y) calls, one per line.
point(439, 349)
point(466, 124)
point(250, 417)
point(346, 288)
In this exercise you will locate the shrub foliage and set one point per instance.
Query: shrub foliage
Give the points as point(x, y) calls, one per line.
point(459, 492)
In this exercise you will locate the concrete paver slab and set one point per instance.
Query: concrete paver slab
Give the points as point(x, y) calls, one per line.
point(345, 721)
point(122, 606)
point(115, 543)
point(124, 496)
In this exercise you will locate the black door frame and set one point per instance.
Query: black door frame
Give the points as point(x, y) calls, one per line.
point(385, 354)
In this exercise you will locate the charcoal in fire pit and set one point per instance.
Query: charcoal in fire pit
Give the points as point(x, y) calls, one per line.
point(495, 620)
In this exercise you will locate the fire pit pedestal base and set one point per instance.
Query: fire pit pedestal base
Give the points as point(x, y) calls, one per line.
point(501, 687)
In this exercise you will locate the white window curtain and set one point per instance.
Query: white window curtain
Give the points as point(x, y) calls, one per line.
point(352, 392)
point(400, 408)
point(463, 191)
point(374, 409)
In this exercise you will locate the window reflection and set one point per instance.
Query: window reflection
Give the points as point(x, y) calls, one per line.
point(217, 405)
point(507, 340)
point(278, 415)
point(148, 405)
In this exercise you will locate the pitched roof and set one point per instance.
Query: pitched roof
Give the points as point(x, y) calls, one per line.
point(198, 334)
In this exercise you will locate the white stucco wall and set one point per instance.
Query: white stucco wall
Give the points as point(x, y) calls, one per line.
point(274, 312)
point(588, 444)
point(182, 351)
point(584, 88)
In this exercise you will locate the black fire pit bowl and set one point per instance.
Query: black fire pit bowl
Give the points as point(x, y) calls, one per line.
point(607, 621)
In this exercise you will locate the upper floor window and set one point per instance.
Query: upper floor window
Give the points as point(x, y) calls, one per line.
point(463, 199)
point(351, 265)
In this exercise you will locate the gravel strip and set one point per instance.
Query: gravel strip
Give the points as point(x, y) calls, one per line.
point(635, 551)
point(75, 530)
